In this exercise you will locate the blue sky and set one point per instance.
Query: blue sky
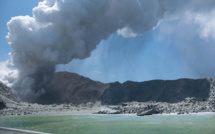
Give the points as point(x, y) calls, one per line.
point(171, 51)
point(137, 59)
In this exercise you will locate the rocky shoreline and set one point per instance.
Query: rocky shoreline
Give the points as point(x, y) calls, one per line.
point(188, 105)
point(24, 108)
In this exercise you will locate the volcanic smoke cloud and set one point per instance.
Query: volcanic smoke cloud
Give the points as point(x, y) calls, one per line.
point(63, 30)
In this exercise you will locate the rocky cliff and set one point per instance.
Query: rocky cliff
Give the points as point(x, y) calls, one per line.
point(68, 87)
point(72, 88)
point(6, 96)
point(171, 91)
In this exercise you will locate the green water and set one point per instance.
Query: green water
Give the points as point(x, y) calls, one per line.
point(113, 124)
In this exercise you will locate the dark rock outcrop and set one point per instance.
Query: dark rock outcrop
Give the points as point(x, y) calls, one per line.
point(6, 92)
point(68, 87)
point(2, 105)
point(171, 91)
point(147, 112)
point(7, 96)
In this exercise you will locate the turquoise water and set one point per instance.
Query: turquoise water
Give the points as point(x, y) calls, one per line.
point(113, 124)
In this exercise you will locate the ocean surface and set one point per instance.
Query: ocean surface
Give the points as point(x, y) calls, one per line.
point(113, 124)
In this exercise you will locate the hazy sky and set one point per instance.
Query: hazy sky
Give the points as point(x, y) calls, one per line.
point(181, 46)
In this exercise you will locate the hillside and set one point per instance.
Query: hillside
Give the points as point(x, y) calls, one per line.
point(171, 91)
point(68, 87)
point(6, 96)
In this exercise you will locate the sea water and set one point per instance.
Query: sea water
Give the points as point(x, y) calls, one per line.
point(113, 124)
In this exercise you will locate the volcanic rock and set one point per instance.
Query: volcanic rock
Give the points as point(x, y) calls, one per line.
point(2, 105)
point(7, 96)
point(68, 87)
point(147, 112)
point(6, 92)
point(171, 91)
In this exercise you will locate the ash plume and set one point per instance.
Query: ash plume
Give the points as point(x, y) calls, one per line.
point(63, 30)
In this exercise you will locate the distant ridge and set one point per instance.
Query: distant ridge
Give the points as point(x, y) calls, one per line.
point(171, 91)
point(66, 87)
